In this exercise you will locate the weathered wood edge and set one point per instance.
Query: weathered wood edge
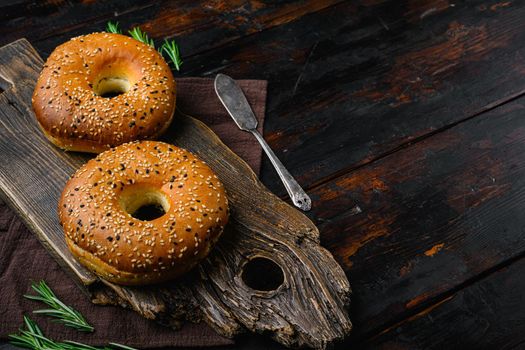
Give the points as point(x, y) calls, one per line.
point(17, 73)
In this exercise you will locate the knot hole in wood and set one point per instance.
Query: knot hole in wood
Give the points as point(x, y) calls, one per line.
point(262, 274)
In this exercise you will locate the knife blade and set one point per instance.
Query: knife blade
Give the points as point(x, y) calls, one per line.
point(234, 100)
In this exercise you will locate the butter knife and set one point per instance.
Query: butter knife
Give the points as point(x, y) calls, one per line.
point(237, 106)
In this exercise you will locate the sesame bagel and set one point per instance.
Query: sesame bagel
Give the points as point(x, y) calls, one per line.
point(100, 90)
point(98, 212)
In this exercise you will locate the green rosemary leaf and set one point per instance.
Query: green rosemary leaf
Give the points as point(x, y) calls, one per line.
point(141, 36)
point(50, 312)
point(172, 50)
point(120, 346)
point(32, 326)
point(81, 346)
point(63, 313)
point(34, 297)
point(113, 27)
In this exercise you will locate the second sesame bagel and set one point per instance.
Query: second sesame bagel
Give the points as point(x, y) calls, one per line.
point(100, 90)
point(101, 204)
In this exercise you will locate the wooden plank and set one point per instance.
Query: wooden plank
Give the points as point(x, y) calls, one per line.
point(345, 91)
point(489, 314)
point(306, 306)
point(24, 184)
point(47, 18)
point(428, 218)
point(198, 25)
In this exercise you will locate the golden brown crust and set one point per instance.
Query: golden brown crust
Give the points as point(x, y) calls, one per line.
point(93, 211)
point(74, 117)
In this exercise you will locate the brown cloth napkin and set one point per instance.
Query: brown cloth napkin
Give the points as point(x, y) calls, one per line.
point(23, 259)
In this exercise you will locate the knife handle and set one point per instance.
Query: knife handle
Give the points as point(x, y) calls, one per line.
point(299, 197)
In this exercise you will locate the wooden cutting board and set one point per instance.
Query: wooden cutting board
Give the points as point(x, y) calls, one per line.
point(268, 274)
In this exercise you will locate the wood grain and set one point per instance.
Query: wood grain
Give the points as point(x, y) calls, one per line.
point(432, 217)
point(375, 77)
point(308, 308)
point(488, 314)
point(197, 25)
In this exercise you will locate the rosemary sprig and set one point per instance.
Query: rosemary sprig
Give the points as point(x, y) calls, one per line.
point(113, 27)
point(172, 50)
point(64, 314)
point(137, 34)
point(32, 338)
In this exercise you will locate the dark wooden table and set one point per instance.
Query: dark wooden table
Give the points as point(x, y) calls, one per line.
point(404, 120)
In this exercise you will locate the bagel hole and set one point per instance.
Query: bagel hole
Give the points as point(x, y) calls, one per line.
point(144, 203)
point(111, 86)
point(149, 212)
point(262, 274)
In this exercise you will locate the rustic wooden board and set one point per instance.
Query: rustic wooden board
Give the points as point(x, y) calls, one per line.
point(307, 308)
